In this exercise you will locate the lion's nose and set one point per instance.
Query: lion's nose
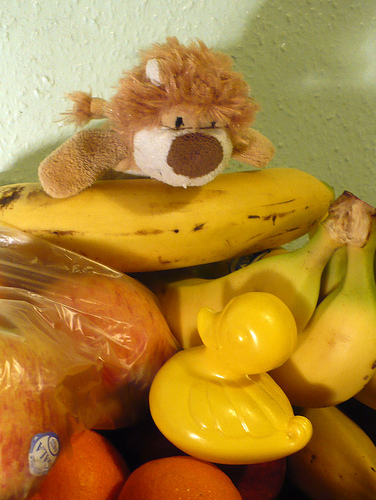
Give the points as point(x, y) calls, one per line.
point(194, 154)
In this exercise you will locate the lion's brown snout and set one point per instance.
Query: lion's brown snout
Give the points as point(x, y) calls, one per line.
point(195, 154)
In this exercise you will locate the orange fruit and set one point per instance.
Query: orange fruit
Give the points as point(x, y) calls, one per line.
point(91, 468)
point(179, 477)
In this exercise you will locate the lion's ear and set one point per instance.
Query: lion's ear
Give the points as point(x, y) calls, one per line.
point(152, 71)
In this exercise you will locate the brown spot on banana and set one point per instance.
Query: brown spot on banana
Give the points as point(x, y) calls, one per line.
point(10, 196)
point(147, 232)
point(280, 203)
point(277, 215)
point(288, 230)
point(166, 262)
point(64, 233)
point(274, 216)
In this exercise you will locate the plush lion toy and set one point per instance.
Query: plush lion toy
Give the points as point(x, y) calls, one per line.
point(178, 117)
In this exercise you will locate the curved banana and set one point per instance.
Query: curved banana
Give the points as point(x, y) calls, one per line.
point(293, 276)
point(138, 225)
point(338, 463)
point(336, 352)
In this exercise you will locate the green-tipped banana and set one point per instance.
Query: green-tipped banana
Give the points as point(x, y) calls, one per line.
point(294, 277)
point(336, 353)
point(338, 463)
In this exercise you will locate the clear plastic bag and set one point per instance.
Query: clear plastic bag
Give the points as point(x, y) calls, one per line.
point(79, 346)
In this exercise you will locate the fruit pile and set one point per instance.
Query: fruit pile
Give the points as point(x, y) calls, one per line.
point(83, 344)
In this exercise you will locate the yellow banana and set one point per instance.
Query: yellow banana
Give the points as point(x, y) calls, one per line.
point(338, 463)
point(336, 352)
point(293, 276)
point(138, 225)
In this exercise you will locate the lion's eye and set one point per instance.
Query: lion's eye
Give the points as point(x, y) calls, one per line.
point(213, 124)
point(179, 122)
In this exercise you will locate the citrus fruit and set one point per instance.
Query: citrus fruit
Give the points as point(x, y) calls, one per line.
point(178, 477)
point(91, 468)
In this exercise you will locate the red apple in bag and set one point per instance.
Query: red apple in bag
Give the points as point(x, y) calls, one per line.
point(110, 315)
point(121, 315)
point(61, 366)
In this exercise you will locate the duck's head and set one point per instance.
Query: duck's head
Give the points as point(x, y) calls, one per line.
point(255, 332)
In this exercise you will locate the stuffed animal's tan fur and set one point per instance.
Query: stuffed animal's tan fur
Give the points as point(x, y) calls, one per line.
point(178, 117)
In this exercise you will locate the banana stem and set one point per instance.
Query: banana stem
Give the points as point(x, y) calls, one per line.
point(350, 219)
point(360, 264)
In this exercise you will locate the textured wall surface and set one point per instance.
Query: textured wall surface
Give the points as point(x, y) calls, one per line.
point(311, 65)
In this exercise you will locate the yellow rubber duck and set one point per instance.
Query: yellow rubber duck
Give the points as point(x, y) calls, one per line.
point(216, 402)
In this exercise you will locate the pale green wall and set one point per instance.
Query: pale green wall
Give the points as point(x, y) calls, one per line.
point(311, 65)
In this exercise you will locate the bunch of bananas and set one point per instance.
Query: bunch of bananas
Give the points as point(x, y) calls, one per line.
point(183, 244)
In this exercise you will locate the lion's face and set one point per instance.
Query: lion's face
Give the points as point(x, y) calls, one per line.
point(185, 150)
point(183, 114)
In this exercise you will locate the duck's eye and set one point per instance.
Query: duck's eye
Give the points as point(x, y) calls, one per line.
point(179, 122)
point(212, 124)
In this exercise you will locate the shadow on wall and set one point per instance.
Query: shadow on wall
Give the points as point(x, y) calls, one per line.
point(25, 169)
point(312, 67)
point(27, 164)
